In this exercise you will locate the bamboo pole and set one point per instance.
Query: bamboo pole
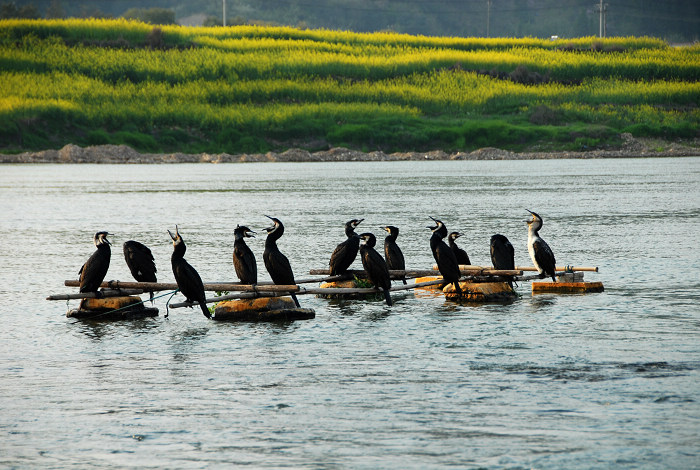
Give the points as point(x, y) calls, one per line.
point(490, 269)
point(220, 286)
point(409, 274)
point(160, 286)
point(95, 295)
point(309, 290)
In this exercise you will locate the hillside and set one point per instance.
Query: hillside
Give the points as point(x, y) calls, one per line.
point(672, 20)
point(254, 89)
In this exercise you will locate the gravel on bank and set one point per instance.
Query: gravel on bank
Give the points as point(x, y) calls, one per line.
point(124, 154)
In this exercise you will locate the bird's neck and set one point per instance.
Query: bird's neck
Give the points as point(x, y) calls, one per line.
point(532, 233)
point(178, 251)
point(271, 242)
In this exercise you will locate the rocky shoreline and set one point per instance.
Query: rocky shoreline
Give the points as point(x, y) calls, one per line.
point(124, 154)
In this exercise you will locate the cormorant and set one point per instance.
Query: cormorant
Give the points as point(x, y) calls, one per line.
point(275, 262)
point(502, 253)
point(392, 252)
point(93, 272)
point(375, 266)
point(540, 253)
point(444, 256)
point(140, 261)
point(187, 278)
point(462, 256)
point(243, 257)
point(346, 252)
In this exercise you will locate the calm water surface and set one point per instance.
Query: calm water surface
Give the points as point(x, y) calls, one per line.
point(550, 381)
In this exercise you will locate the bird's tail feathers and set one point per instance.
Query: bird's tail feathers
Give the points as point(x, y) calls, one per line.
point(387, 297)
point(205, 310)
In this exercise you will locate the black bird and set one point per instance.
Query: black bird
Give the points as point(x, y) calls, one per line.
point(140, 261)
point(502, 253)
point(187, 278)
point(540, 253)
point(346, 252)
point(375, 266)
point(243, 257)
point(462, 256)
point(392, 252)
point(275, 262)
point(444, 256)
point(93, 272)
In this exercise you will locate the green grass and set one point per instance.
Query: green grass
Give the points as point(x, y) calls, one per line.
point(254, 89)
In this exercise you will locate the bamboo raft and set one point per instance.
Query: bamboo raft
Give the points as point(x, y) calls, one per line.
point(269, 302)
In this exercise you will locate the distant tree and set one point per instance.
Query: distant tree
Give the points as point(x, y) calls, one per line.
point(151, 15)
point(216, 21)
point(212, 21)
point(10, 10)
point(87, 12)
point(55, 10)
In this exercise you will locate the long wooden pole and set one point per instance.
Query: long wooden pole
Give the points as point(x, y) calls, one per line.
point(221, 286)
point(94, 295)
point(398, 274)
point(159, 286)
point(308, 290)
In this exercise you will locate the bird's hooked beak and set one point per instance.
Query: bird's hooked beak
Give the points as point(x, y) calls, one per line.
point(102, 238)
point(457, 235)
point(176, 238)
point(274, 222)
point(357, 222)
point(437, 223)
point(534, 217)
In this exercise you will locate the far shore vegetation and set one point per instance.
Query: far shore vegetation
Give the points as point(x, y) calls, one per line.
point(251, 89)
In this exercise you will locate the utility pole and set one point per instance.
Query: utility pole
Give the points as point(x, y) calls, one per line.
point(224, 13)
point(488, 18)
point(602, 9)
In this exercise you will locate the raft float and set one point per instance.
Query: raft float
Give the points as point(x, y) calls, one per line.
point(266, 302)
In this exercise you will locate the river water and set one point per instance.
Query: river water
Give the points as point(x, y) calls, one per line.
point(548, 381)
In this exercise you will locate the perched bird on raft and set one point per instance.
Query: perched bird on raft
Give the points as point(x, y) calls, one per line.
point(275, 262)
point(243, 257)
point(392, 252)
point(140, 261)
point(346, 252)
point(502, 253)
point(187, 278)
point(444, 256)
point(375, 266)
point(540, 253)
point(460, 254)
point(93, 272)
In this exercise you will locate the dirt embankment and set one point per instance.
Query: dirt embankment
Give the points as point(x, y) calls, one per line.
point(123, 154)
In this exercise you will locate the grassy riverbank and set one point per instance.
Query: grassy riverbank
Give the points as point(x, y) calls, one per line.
point(254, 89)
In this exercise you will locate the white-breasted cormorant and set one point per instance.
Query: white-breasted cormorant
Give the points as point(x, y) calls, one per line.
point(392, 252)
point(276, 263)
point(243, 257)
point(346, 252)
point(375, 266)
point(540, 253)
point(140, 261)
point(462, 256)
point(502, 253)
point(444, 256)
point(93, 272)
point(187, 278)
